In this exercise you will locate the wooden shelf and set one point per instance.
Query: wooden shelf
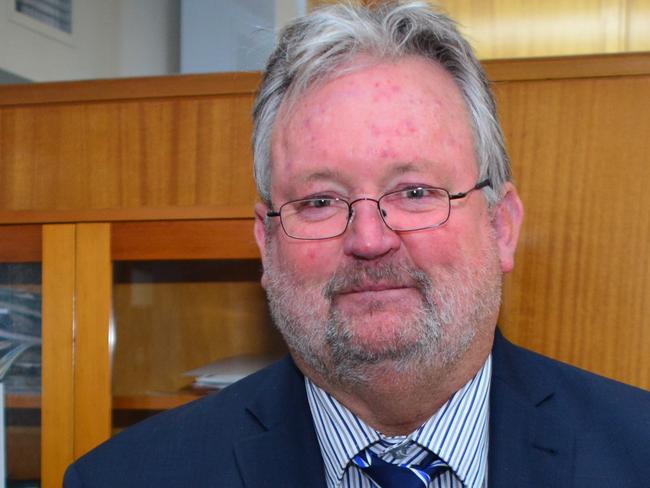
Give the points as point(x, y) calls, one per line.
point(161, 401)
point(169, 240)
point(23, 400)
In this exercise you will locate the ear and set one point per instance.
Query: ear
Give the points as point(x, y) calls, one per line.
point(259, 229)
point(507, 217)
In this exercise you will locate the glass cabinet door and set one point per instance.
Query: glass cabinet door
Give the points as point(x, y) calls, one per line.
point(173, 316)
point(20, 355)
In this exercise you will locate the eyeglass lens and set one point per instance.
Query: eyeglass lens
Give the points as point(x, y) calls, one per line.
point(404, 210)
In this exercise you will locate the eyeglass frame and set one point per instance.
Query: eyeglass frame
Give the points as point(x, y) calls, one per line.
point(450, 196)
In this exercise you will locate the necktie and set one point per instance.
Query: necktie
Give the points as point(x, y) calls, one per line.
point(389, 475)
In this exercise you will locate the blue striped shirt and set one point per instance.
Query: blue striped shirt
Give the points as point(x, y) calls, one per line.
point(457, 433)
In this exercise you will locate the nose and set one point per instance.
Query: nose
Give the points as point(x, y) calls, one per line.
point(367, 236)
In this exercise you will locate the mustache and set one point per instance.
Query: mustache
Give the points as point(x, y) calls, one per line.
point(359, 275)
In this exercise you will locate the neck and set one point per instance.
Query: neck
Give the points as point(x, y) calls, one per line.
point(397, 401)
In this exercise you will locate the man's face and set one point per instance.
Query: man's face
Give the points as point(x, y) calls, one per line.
point(373, 296)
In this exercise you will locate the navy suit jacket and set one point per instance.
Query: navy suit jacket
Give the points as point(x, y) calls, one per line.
point(551, 425)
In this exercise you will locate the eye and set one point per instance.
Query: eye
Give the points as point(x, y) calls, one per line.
point(314, 203)
point(315, 209)
point(321, 202)
point(415, 193)
point(415, 199)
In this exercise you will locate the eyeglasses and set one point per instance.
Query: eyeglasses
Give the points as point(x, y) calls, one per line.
point(411, 209)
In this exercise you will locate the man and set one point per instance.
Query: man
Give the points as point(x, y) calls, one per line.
point(386, 221)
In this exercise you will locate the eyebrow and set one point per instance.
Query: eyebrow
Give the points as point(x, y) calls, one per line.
point(405, 168)
point(336, 176)
point(408, 167)
point(325, 174)
point(329, 174)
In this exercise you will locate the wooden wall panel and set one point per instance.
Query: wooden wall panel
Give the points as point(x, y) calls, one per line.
point(508, 28)
point(501, 29)
point(126, 154)
point(580, 291)
point(638, 25)
point(20, 243)
point(143, 148)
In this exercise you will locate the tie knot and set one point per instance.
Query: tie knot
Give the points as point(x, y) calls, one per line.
point(391, 475)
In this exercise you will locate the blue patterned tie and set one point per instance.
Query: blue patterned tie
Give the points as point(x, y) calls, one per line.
point(389, 475)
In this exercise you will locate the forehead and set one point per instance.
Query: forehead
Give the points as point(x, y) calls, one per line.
point(380, 119)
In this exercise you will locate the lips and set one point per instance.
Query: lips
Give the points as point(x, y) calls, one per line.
point(373, 287)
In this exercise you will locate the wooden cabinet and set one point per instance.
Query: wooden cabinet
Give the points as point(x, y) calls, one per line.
point(97, 175)
point(136, 196)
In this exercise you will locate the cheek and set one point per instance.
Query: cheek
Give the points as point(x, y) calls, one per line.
point(309, 261)
point(448, 246)
point(432, 250)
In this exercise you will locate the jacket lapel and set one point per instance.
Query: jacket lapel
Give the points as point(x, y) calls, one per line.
point(286, 452)
point(530, 444)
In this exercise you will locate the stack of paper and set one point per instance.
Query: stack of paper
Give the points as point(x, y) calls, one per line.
point(226, 371)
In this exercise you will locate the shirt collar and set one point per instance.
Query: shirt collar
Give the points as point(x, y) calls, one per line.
point(457, 432)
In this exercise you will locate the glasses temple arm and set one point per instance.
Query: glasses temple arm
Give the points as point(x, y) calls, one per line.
point(478, 186)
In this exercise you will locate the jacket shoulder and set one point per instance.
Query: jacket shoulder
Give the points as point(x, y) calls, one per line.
point(601, 418)
point(188, 445)
point(528, 370)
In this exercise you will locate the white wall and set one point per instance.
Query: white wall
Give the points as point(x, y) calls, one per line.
point(231, 35)
point(150, 37)
point(114, 38)
point(110, 38)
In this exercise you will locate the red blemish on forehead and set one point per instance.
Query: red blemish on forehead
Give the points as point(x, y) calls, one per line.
point(372, 117)
point(387, 153)
point(384, 91)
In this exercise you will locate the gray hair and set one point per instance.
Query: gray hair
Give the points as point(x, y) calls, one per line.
point(314, 49)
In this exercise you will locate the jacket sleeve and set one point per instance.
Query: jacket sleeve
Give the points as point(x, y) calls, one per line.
point(71, 479)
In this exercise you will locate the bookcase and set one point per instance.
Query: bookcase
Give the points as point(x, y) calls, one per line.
point(133, 198)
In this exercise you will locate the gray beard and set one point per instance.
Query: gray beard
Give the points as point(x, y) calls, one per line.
point(448, 317)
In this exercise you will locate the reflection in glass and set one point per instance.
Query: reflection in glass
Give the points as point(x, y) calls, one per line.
point(20, 339)
point(175, 316)
point(20, 370)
